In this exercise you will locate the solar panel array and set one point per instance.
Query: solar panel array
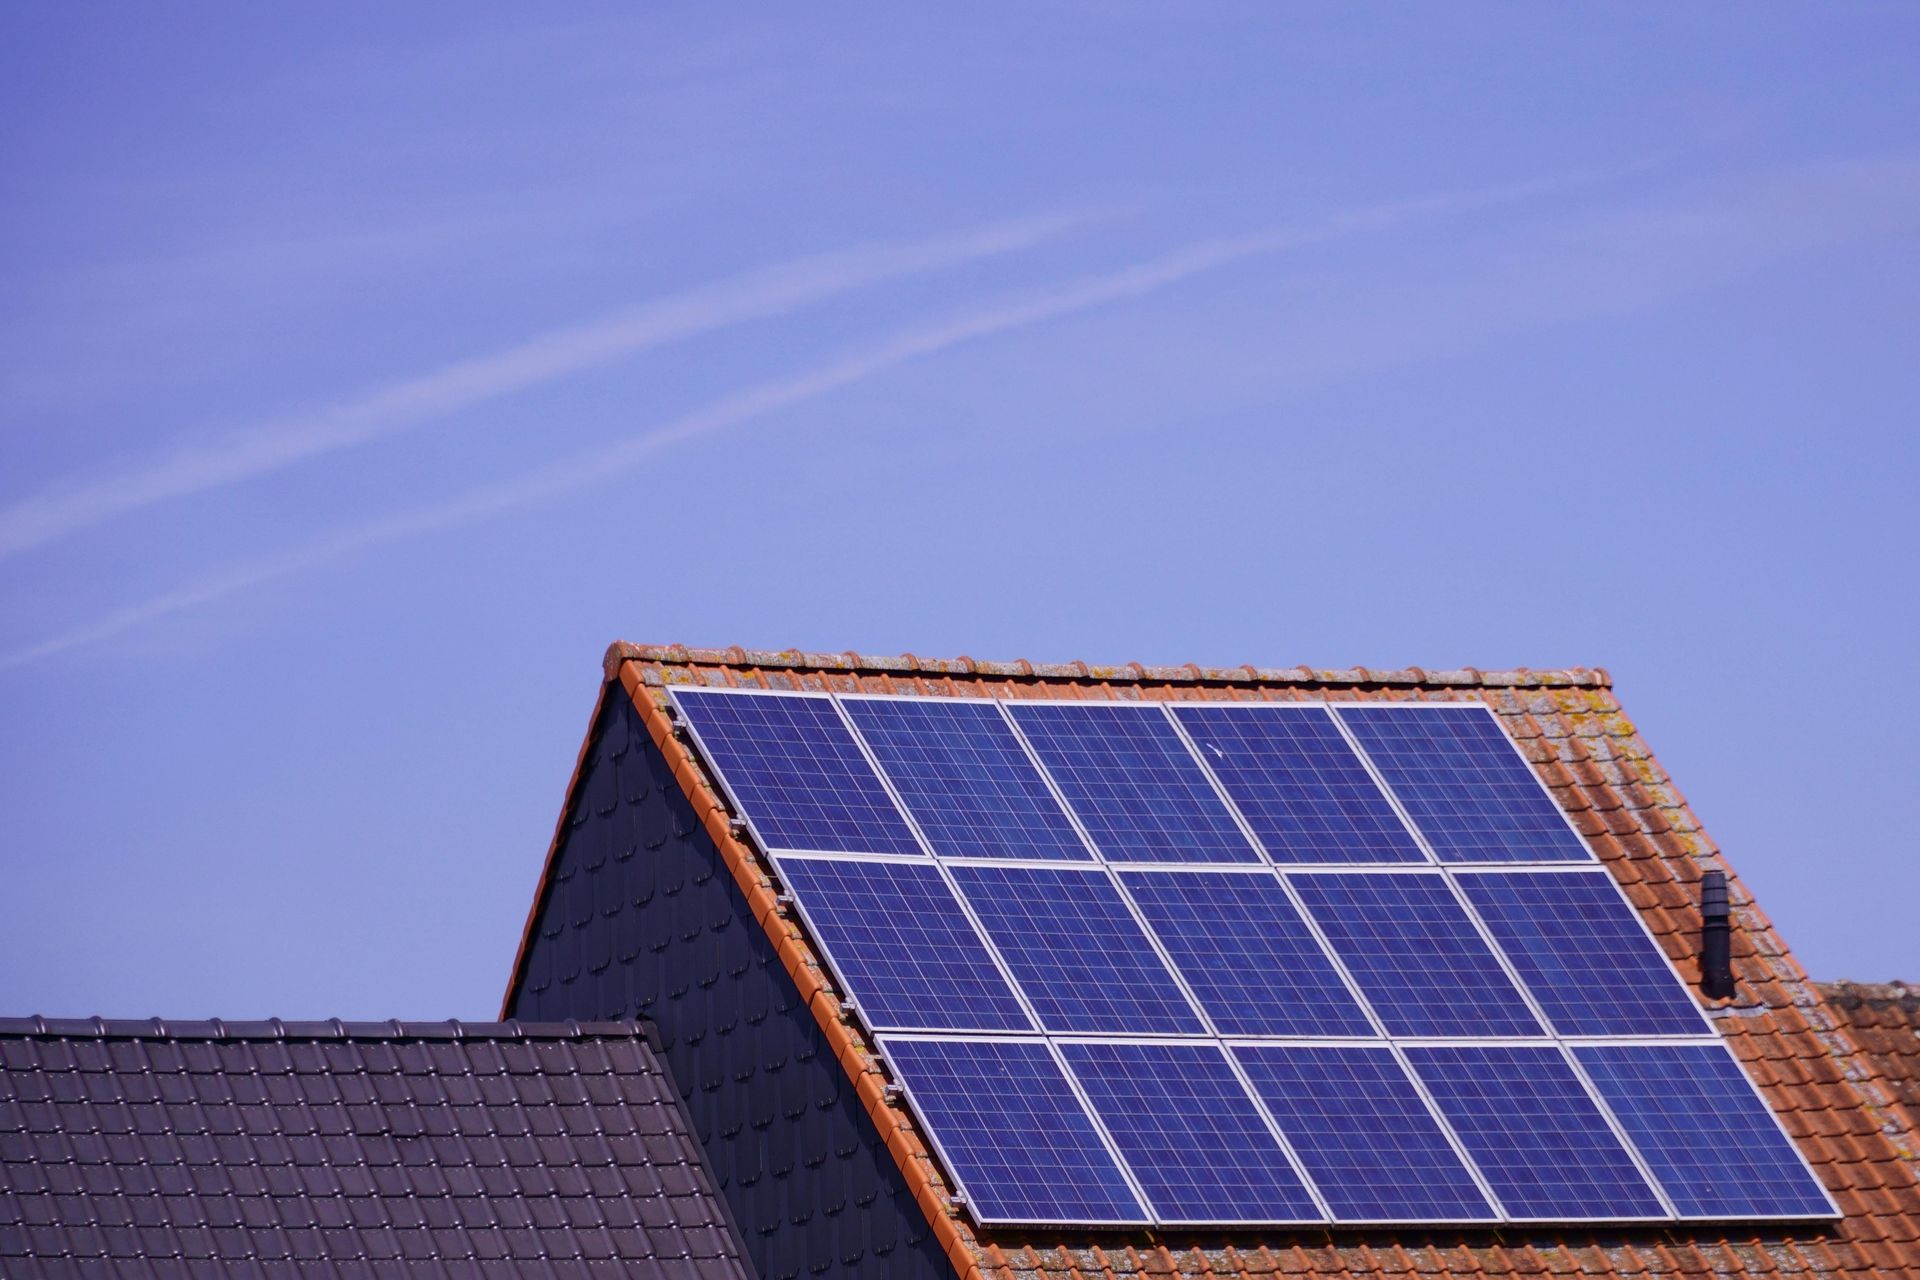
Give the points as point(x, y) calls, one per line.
point(1245, 964)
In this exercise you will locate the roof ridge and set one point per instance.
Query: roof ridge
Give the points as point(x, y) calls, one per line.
point(1846, 988)
point(1190, 673)
point(39, 1027)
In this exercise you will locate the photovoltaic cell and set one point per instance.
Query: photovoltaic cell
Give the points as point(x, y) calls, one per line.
point(1415, 954)
point(1582, 953)
point(965, 779)
point(796, 772)
point(1243, 948)
point(1364, 1134)
point(1192, 1137)
point(1132, 782)
point(1534, 1132)
point(906, 949)
point(1464, 783)
point(1298, 782)
point(1076, 951)
point(1707, 1137)
point(1011, 1130)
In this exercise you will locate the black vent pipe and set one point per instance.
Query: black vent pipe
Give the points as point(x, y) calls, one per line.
point(1716, 937)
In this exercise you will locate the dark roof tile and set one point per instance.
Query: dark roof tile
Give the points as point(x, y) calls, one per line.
point(339, 1150)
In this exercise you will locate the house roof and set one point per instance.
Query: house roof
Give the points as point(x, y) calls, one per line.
point(1883, 1020)
point(1829, 1091)
point(171, 1149)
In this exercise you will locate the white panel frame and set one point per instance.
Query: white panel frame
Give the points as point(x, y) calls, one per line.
point(1579, 869)
point(1497, 1217)
point(1570, 1048)
point(1606, 1116)
point(1253, 1099)
point(684, 720)
point(1533, 772)
point(1259, 855)
point(850, 994)
point(996, 707)
point(1326, 710)
point(931, 1132)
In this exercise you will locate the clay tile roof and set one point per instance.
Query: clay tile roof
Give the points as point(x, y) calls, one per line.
point(176, 1149)
point(1831, 1094)
point(1883, 1020)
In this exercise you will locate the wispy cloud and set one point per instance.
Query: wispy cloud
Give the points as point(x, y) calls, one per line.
point(607, 462)
point(71, 506)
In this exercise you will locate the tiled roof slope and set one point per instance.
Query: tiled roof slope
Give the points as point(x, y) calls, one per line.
point(639, 919)
point(1883, 1018)
point(1830, 1096)
point(150, 1149)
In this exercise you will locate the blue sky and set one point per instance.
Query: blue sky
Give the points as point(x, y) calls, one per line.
point(369, 370)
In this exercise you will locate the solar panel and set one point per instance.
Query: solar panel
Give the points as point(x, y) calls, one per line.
point(1076, 951)
point(1298, 782)
point(1247, 953)
point(1534, 1132)
point(1189, 964)
point(1132, 782)
point(1464, 783)
point(1583, 953)
point(1415, 954)
point(965, 779)
point(795, 772)
point(1364, 1134)
point(1194, 1140)
point(1010, 1129)
point(1705, 1133)
point(900, 940)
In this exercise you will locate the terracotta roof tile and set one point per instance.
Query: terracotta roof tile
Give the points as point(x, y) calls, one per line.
point(1883, 1021)
point(1795, 1041)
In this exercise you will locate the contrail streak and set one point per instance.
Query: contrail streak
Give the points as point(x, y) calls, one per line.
point(68, 507)
point(603, 463)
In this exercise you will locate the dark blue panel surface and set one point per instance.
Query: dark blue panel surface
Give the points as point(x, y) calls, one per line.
point(796, 772)
point(1583, 954)
point(1707, 1137)
point(899, 937)
point(1132, 782)
point(1298, 782)
point(1076, 950)
point(1464, 783)
point(964, 778)
point(1011, 1130)
point(1192, 1137)
point(1242, 946)
point(1416, 955)
point(1534, 1132)
point(1364, 1134)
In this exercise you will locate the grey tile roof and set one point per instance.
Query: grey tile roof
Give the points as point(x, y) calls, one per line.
point(150, 1149)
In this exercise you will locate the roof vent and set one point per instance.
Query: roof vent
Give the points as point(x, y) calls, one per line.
point(1716, 937)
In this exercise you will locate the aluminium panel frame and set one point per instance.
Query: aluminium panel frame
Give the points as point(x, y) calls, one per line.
point(931, 1132)
point(1506, 737)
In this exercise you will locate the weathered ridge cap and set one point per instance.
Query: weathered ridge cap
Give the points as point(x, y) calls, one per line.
point(43, 1028)
point(1849, 992)
point(622, 651)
